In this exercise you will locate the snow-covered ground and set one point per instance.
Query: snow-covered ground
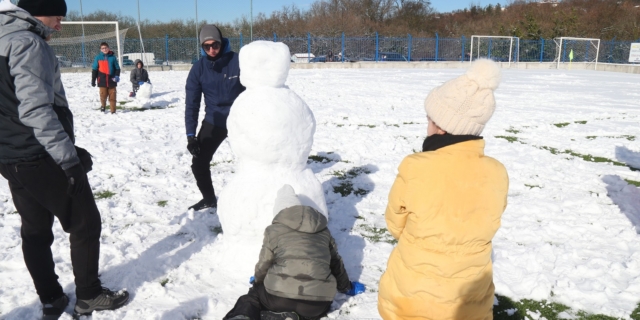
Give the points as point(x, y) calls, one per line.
point(568, 234)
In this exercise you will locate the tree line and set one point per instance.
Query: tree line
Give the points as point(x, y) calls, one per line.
point(604, 19)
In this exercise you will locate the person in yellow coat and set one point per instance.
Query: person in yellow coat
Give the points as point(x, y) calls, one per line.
point(445, 207)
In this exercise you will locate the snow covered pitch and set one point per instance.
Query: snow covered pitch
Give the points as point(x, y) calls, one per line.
point(569, 234)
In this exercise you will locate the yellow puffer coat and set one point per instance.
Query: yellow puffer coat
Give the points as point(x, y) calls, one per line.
point(444, 208)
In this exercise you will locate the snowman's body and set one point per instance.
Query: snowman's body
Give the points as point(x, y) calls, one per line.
point(270, 129)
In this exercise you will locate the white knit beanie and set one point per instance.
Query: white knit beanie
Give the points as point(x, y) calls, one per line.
point(464, 105)
point(286, 199)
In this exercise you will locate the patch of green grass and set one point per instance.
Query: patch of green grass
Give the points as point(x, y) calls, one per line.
point(409, 122)
point(345, 187)
point(531, 186)
point(376, 235)
point(164, 282)
point(628, 137)
point(122, 102)
point(162, 203)
point(635, 315)
point(513, 130)
point(317, 158)
point(104, 194)
point(508, 309)
point(367, 125)
point(215, 163)
point(581, 122)
point(339, 125)
point(588, 157)
point(562, 124)
point(632, 182)
point(509, 138)
point(591, 137)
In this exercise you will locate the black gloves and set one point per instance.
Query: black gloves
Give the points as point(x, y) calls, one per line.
point(77, 180)
point(193, 146)
point(93, 83)
point(85, 159)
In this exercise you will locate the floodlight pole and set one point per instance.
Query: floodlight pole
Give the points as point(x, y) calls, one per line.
point(251, 34)
point(84, 57)
point(197, 36)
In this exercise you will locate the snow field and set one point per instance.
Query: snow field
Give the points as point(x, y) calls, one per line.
point(568, 234)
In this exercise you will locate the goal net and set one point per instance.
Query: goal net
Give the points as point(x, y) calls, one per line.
point(497, 48)
point(577, 50)
point(78, 43)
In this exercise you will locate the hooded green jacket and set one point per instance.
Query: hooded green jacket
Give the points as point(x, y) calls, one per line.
point(299, 257)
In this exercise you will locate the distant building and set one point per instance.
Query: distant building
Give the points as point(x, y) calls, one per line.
point(553, 3)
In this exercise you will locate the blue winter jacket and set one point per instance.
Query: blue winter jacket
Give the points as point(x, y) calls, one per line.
point(105, 67)
point(219, 81)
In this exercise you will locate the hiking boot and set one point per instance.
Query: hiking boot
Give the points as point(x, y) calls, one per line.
point(270, 315)
point(204, 204)
point(106, 300)
point(53, 310)
point(102, 109)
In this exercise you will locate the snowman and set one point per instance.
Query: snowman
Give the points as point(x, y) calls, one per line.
point(270, 130)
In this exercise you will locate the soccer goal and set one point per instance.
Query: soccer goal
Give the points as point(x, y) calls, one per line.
point(497, 48)
point(578, 50)
point(78, 43)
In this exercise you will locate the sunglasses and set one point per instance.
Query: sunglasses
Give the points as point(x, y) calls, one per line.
point(207, 47)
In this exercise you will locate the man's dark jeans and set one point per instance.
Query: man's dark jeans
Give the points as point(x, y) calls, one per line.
point(209, 138)
point(39, 190)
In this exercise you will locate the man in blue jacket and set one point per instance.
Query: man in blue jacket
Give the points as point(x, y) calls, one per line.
point(216, 76)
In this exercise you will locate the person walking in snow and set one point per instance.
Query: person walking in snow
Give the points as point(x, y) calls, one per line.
point(445, 207)
point(138, 76)
point(216, 76)
point(47, 174)
point(299, 270)
point(106, 71)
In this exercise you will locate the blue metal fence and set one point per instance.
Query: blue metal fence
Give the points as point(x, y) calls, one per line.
point(378, 48)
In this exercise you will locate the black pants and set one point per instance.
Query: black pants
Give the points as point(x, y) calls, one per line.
point(210, 139)
point(259, 299)
point(39, 190)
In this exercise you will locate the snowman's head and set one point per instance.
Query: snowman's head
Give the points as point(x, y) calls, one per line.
point(264, 64)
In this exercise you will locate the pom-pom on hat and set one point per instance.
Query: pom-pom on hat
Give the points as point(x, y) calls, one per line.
point(46, 8)
point(286, 199)
point(464, 105)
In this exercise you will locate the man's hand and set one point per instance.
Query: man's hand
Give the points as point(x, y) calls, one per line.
point(93, 83)
point(116, 79)
point(77, 179)
point(193, 145)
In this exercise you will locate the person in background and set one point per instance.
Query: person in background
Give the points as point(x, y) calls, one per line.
point(106, 71)
point(216, 76)
point(445, 207)
point(299, 270)
point(47, 173)
point(138, 76)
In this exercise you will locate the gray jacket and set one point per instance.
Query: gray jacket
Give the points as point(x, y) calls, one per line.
point(299, 257)
point(35, 120)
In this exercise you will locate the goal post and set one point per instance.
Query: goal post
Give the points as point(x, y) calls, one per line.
point(579, 50)
point(498, 48)
point(78, 43)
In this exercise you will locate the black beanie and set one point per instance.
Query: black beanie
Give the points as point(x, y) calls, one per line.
point(50, 8)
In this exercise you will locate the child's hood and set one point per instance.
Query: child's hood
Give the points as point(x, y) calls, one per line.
point(302, 218)
point(136, 63)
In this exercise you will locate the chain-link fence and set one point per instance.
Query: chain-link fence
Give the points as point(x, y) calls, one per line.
point(167, 51)
point(78, 44)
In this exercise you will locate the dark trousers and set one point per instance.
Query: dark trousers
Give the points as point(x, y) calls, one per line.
point(39, 190)
point(209, 138)
point(259, 299)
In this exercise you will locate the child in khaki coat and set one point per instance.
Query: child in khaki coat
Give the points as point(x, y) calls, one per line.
point(445, 207)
